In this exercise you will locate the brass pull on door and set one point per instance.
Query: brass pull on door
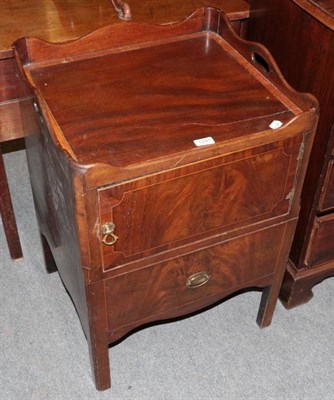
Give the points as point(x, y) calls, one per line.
point(109, 237)
point(197, 280)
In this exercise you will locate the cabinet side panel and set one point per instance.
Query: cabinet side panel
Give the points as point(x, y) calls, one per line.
point(52, 187)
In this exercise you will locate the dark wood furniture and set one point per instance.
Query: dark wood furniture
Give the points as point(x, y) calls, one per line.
point(56, 20)
point(161, 178)
point(300, 35)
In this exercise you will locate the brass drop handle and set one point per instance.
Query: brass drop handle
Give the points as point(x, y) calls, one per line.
point(197, 280)
point(108, 231)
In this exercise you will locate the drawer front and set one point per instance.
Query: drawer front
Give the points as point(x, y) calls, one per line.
point(327, 197)
point(208, 272)
point(13, 98)
point(17, 119)
point(11, 87)
point(321, 246)
point(192, 203)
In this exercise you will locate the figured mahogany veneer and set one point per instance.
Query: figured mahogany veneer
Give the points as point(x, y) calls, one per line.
point(144, 225)
point(300, 35)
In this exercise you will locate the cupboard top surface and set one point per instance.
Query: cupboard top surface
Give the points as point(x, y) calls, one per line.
point(141, 104)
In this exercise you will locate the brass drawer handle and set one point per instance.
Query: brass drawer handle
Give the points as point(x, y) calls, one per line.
point(108, 230)
point(197, 280)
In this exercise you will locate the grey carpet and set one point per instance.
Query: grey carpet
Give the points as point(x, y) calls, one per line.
point(218, 354)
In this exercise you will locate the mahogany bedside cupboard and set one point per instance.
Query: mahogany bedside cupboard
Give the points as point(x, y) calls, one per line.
point(167, 171)
point(300, 35)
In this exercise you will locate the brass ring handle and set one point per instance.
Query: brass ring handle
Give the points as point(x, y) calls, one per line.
point(112, 241)
point(108, 230)
point(197, 280)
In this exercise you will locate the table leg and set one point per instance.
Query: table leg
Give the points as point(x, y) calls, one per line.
point(7, 215)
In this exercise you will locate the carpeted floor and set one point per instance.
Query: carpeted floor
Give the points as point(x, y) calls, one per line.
point(218, 354)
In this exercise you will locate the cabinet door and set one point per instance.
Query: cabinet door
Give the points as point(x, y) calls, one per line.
point(174, 208)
